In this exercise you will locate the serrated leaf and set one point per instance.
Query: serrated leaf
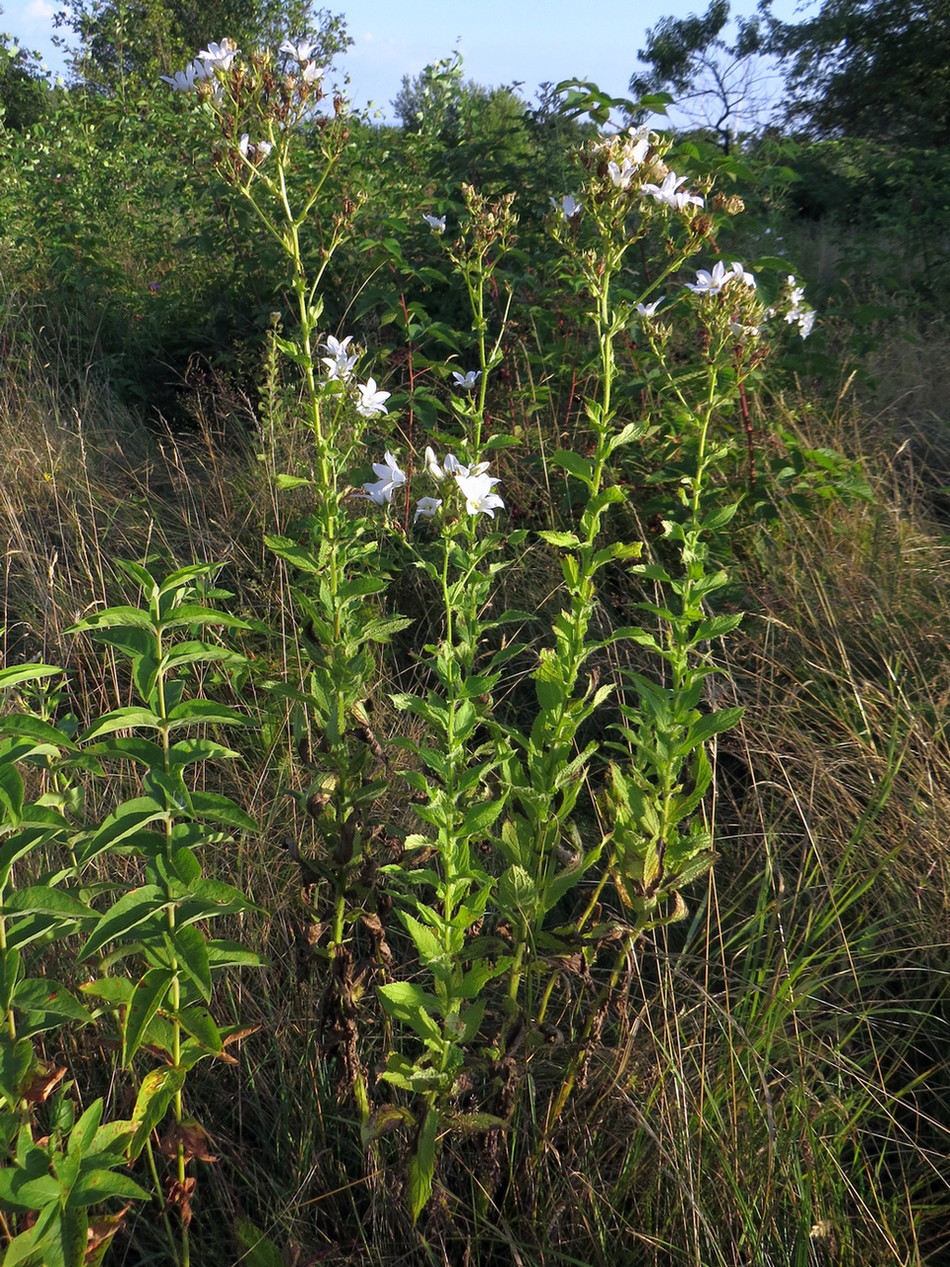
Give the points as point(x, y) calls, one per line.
point(626, 435)
point(383, 1121)
point(716, 627)
point(719, 517)
point(574, 464)
point(708, 725)
point(428, 946)
point(561, 539)
point(290, 552)
point(478, 819)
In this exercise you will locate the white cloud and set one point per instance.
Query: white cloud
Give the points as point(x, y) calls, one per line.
point(40, 11)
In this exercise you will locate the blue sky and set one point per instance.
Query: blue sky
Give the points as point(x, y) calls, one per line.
point(501, 41)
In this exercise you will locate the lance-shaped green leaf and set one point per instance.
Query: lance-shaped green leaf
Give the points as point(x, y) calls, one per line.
point(221, 809)
point(148, 996)
point(189, 712)
point(16, 1061)
point(39, 899)
point(231, 954)
point(112, 617)
point(11, 792)
point(191, 750)
point(581, 468)
point(47, 1004)
point(131, 911)
point(122, 719)
point(129, 748)
point(256, 1249)
point(195, 615)
point(23, 725)
point(422, 1164)
point(98, 1184)
point(199, 1023)
point(191, 954)
point(151, 1104)
point(124, 821)
point(17, 674)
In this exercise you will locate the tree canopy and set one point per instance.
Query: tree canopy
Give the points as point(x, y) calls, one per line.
point(715, 80)
point(873, 68)
point(24, 89)
point(123, 38)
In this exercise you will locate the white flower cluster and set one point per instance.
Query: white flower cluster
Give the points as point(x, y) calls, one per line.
point(635, 166)
point(302, 54)
point(254, 151)
point(669, 193)
point(798, 313)
point(340, 363)
point(389, 478)
point(214, 57)
point(707, 283)
point(474, 483)
point(220, 57)
point(792, 305)
point(629, 158)
point(568, 206)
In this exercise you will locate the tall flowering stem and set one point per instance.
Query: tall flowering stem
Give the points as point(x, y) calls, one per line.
point(548, 768)
point(269, 112)
point(444, 889)
point(656, 838)
point(487, 235)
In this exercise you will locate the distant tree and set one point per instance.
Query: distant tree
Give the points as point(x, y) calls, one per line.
point(482, 135)
point(119, 39)
point(429, 102)
point(717, 82)
point(24, 88)
point(871, 68)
